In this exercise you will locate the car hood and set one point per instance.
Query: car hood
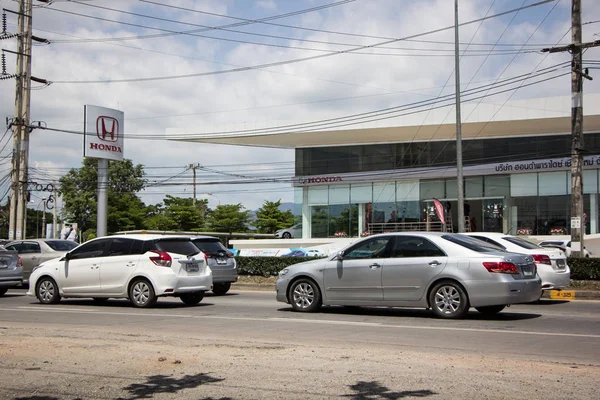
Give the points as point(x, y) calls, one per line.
point(306, 265)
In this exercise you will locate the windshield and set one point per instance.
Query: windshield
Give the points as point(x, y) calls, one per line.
point(61, 245)
point(521, 242)
point(472, 243)
point(209, 246)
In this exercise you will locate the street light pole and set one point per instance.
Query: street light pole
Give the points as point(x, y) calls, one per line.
point(44, 220)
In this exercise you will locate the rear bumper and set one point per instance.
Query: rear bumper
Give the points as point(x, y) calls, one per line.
point(490, 293)
point(553, 279)
point(171, 285)
point(221, 276)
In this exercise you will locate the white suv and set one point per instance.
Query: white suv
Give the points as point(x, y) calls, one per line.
point(138, 267)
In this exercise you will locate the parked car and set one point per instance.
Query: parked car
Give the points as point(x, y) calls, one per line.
point(295, 253)
point(445, 272)
point(551, 263)
point(289, 233)
point(33, 252)
point(221, 262)
point(138, 267)
point(315, 253)
point(11, 270)
point(564, 245)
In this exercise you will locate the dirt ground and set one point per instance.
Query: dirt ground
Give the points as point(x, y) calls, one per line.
point(46, 363)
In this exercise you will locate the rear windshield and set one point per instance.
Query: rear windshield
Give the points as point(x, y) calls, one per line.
point(472, 243)
point(552, 244)
point(177, 246)
point(61, 245)
point(209, 246)
point(521, 242)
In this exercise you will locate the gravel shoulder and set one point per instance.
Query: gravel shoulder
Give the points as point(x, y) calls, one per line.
point(121, 363)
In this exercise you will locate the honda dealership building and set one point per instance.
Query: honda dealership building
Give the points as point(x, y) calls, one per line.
point(516, 166)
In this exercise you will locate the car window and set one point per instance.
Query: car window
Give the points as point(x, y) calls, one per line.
point(61, 245)
point(177, 246)
point(521, 242)
point(137, 247)
point(120, 247)
point(549, 243)
point(92, 249)
point(414, 246)
point(210, 246)
point(16, 246)
point(471, 243)
point(30, 248)
point(370, 248)
point(488, 240)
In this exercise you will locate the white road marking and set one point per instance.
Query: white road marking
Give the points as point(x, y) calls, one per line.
point(46, 309)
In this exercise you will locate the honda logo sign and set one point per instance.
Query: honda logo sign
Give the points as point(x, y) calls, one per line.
point(103, 133)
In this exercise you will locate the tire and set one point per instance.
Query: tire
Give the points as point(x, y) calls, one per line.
point(286, 235)
point(305, 296)
point(141, 294)
point(46, 291)
point(219, 289)
point(490, 310)
point(448, 300)
point(191, 299)
point(3, 291)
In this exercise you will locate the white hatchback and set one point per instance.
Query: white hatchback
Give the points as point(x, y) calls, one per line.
point(138, 267)
point(551, 263)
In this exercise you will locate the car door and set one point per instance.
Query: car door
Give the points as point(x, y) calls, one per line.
point(414, 261)
point(80, 271)
point(121, 259)
point(357, 275)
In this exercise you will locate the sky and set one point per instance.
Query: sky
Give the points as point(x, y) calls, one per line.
point(177, 66)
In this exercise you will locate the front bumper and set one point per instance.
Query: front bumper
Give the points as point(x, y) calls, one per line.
point(281, 287)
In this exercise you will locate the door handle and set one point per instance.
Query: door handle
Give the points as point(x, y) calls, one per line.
point(374, 266)
point(435, 263)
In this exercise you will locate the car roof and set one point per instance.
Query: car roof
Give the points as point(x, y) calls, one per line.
point(487, 234)
point(145, 237)
point(204, 237)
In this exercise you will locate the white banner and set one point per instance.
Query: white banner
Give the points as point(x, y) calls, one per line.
point(104, 128)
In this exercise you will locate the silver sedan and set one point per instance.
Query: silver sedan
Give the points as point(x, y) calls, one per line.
point(445, 272)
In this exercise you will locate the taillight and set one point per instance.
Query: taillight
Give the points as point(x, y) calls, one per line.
point(501, 267)
point(229, 254)
point(542, 259)
point(162, 259)
point(19, 262)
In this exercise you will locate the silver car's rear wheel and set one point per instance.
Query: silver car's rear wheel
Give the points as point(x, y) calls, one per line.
point(305, 296)
point(449, 300)
point(141, 294)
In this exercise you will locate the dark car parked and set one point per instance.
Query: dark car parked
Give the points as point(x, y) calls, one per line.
point(221, 262)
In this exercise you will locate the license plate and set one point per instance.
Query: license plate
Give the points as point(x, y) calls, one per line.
point(527, 271)
point(560, 263)
point(221, 261)
point(192, 268)
point(3, 264)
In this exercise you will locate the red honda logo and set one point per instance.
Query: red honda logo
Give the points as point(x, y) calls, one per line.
point(107, 128)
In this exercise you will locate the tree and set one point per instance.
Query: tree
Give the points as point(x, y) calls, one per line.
point(178, 214)
point(270, 218)
point(79, 187)
point(229, 218)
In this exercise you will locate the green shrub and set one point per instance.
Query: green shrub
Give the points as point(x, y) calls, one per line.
point(266, 266)
point(585, 269)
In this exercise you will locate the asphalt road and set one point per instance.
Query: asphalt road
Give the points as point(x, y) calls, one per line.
point(550, 349)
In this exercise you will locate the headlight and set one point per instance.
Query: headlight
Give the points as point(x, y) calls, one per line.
point(283, 272)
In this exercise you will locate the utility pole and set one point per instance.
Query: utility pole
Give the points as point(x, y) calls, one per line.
point(577, 144)
point(193, 168)
point(459, 160)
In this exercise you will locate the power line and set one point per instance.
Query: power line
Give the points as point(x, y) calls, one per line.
point(297, 60)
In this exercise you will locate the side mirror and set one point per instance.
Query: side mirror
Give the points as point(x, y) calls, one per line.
point(66, 257)
point(339, 256)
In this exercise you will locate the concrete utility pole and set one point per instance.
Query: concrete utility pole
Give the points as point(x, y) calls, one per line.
point(193, 168)
point(459, 160)
point(577, 146)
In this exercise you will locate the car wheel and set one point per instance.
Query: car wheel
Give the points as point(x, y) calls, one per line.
point(47, 291)
point(220, 289)
point(191, 299)
point(305, 296)
point(448, 300)
point(490, 310)
point(3, 291)
point(286, 235)
point(141, 294)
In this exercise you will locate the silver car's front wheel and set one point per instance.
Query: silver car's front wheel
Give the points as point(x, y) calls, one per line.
point(305, 295)
point(449, 300)
point(141, 294)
